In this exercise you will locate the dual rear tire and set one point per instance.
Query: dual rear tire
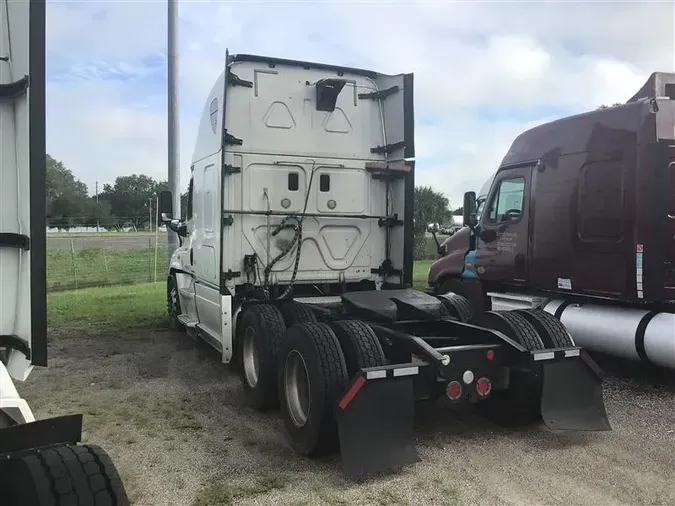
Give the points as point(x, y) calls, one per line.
point(533, 329)
point(303, 366)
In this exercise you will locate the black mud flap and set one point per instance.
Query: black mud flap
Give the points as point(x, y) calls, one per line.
point(41, 434)
point(376, 421)
point(571, 397)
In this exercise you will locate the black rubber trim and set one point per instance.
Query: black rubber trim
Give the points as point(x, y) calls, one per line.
point(409, 116)
point(10, 91)
point(38, 171)
point(408, 231)
point(15, 343)
point(223, 171)
point(640, 336)
point(298, 63)
point(12, 240)
point(558, 312)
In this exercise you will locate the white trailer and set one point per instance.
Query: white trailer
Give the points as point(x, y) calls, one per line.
point(41, 462)
point(296, 266)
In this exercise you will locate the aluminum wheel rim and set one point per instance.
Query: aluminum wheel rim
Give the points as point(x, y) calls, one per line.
point(296, 386)
point(250, 354)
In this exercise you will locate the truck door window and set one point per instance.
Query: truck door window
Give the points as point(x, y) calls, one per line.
point(189, 199)
point(507, 203)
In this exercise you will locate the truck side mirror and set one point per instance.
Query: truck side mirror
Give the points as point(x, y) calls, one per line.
point(470, 208)
point(433, 229)
point(166, 205)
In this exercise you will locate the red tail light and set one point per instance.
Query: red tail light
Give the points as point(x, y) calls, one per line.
point(483, 387)
point(490, 355)
point(454, 390)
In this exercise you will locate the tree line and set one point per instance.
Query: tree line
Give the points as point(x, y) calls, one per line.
point(126, 202)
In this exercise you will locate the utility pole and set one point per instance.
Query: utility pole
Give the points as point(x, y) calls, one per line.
point(97, 213)
point(172, 113)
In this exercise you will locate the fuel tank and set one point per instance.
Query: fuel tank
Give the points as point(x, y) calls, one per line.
point(630, 333)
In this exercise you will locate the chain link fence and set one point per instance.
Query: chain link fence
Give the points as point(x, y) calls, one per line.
point(77, 260)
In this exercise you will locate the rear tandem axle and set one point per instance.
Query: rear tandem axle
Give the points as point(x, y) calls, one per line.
point(349, 378)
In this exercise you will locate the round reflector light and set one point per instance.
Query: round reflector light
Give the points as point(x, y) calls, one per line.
point(483, 387)
point(454, 390)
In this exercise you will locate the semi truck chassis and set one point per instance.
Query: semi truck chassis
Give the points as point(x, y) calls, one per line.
point(346, 370)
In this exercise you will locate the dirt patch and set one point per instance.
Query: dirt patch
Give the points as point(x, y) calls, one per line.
point(173, 419)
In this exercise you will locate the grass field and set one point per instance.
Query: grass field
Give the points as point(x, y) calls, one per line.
point(100, 266)
point(89, 235)
point(140, 306)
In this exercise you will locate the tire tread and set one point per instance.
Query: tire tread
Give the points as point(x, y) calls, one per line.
point(68, 475)
point(552, 331)
point(360, 346)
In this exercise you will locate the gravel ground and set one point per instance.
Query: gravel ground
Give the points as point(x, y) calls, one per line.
point(172, 417)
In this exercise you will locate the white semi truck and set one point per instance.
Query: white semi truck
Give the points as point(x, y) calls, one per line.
point(41, 461)
point(296, 266)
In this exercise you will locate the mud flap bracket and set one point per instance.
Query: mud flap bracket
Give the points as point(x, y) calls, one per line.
point(376, 420)
point(571, 397)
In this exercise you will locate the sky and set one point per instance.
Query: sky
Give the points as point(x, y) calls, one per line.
point(484, 71)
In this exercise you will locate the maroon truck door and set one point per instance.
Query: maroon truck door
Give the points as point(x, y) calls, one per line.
point(502, 247)
point(669, 281)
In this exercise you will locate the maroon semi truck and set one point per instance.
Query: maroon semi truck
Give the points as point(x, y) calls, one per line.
point(579, 220)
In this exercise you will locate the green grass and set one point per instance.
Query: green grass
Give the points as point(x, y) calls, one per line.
point(101, 266)
point(80, 235)
point(420, 270)
point(113, 309)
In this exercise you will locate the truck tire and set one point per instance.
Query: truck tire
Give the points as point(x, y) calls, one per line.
point(513, 326)
point(312, 376)
point(64, 475)
point(457, 306)
point(294, 312)
point(451, 285)
point(260, 333)
point(520, 404)
point(359, 344)
point(173, 303)
point(553, 333)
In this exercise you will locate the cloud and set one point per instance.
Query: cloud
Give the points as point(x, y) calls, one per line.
point(484, 72)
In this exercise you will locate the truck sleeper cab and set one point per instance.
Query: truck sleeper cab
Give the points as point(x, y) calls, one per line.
point(581, 210)
point(296, 266)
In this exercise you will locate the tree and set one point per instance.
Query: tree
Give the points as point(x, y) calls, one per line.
point(129, 198)
point(430, 206)
point(67, 197)
point(458, 212)
point(603, 106)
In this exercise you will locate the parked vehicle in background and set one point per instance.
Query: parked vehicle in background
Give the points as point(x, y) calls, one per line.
point(580, 222)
